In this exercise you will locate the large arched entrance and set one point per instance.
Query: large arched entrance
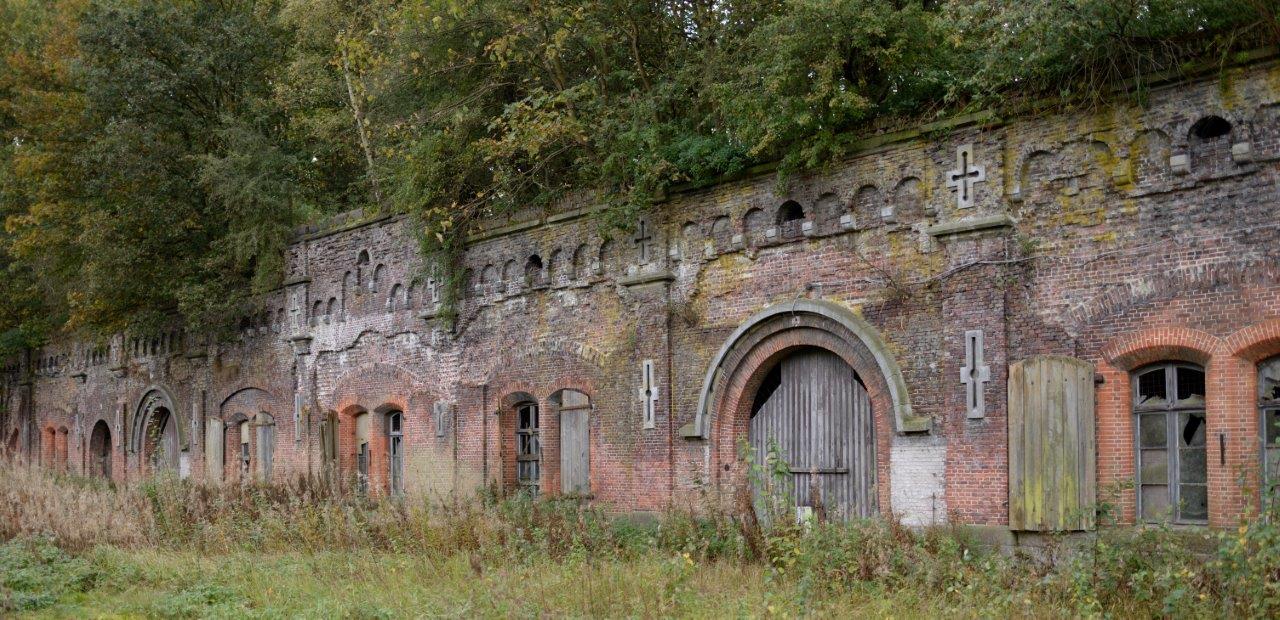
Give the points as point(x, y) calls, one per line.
point(100, 450)
point(812, 438)
point(161, 442)
point(820, 381)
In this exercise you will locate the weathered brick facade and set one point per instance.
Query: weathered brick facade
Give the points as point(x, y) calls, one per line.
point(1121, 237)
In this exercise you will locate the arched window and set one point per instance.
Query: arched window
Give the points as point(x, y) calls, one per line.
point(533, 271)
point(1169, 408)
point(790, 217)
point(363, 449)
point(528, 447)
point(266, 445)
point(1269, 408)
point(395, 452)
point(246, 464)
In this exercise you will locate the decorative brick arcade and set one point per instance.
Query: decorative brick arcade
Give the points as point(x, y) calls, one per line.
point(626, 370)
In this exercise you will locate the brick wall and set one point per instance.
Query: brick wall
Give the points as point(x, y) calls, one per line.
point(1119, 237)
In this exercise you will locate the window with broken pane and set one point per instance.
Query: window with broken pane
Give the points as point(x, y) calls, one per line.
point(1269, 429)
point(395, 449)
point(1168, 403)
point(528, 449)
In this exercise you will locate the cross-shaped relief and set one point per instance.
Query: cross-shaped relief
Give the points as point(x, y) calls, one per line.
point(648, 394)
point(965, 176)
point(644, 240)
point(974, 374)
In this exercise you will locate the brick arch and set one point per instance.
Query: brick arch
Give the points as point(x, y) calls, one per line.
point(538, 378)
point(1183, 344)
point(752, 351)
point(875, 364)
point(154, 398)
point(1256, 342)
point(1115, 425)
point(377, 389)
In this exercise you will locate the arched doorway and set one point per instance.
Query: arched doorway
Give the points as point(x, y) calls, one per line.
point(770, 356)
point(161, 441)
point(100, 450)
point(812, 438)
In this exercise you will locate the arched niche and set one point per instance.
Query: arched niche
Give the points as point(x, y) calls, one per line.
point(857, 340)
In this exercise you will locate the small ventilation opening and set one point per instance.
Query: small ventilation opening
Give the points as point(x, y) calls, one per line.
point(790, 211)
point(1211, 127)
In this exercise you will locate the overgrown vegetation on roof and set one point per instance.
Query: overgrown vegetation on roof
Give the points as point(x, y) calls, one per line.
point(156, 155)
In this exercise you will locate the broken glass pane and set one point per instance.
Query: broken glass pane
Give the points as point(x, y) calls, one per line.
point(1269, 380)
point(1193, 502)
point(1191, 429)
point(1151, 388)
point(1190, 386)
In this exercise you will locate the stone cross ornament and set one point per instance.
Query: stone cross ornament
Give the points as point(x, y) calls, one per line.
point(965, 176)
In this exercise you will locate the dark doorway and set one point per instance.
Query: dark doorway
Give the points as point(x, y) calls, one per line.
point(813, 415)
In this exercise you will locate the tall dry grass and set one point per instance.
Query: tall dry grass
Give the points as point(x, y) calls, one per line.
point(76, 512)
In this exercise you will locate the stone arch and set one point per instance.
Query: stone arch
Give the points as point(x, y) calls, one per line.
point(721, 233)
point(1209, 141)
point(1149, 158)
point(99, 457)
point(578, 262)
point(754, 223)
point(534, 275)
point(691, 243)
point(1034, 173)
point(868, 204)
point(749, 355)
point(555, 267)
point(827, 212)
point(908, 201)
point(825, 322)
point(154, 399)
point(789, 218)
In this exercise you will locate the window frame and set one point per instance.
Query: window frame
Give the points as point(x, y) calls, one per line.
point(1266, 406)
point(1172, 411)
point(528, 436)
point(395, 452)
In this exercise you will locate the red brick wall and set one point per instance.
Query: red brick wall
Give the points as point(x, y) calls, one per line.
point(1106, 253)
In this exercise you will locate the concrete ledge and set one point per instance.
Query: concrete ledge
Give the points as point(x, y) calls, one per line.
point(970, 225)
point(647, 278)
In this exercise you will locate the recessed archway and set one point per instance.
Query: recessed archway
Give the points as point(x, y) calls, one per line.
point(99, 458)
point(766, 341)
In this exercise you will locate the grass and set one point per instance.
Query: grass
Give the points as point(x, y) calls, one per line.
point(172, 549)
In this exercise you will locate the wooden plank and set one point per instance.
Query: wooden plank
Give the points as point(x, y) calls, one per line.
point(1017, 518)
point(1052, 444)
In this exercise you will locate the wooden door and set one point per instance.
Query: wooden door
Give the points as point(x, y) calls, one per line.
point(815, 415)
point(575, 444)
point(215, 438)
point(1052, 457)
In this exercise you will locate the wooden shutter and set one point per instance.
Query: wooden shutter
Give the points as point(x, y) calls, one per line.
point(214, 442)
point(1052, 457)
point(575, 451)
